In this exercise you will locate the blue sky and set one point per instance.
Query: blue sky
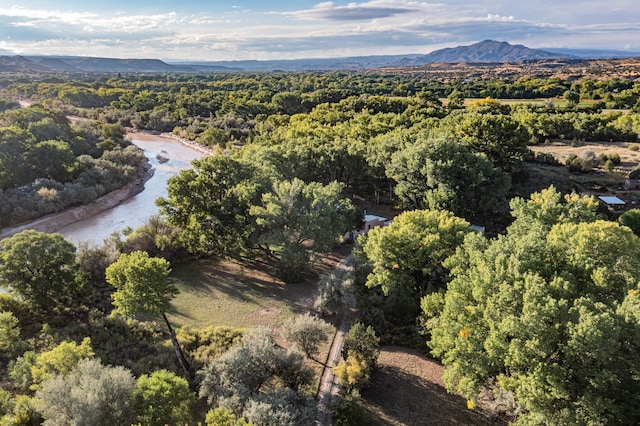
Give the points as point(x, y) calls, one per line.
point(237, 29)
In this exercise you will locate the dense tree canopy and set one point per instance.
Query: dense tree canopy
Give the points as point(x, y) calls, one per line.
point(444, 173)
point(41, 269)
point(548, 314)
point(211, 203)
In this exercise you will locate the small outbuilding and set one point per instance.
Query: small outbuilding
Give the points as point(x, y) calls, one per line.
point(612, 201)
point(370, 221)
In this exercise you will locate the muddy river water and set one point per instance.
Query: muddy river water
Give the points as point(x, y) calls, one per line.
point(135, 211)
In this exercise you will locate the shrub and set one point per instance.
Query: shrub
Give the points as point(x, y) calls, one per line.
point(307, 332)
point(162, 398)
point(363, 342)
point(347, 411)
point(90, 394)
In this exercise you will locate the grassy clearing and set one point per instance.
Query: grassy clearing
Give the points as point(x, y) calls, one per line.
point(245, 295)
point(237, 295)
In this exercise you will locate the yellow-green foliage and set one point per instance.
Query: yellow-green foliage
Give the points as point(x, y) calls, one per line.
point(353, 373)
point(206, 344)
point(224, 417)
point(60, 359)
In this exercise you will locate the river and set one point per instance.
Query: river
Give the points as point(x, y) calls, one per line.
point(135, 211)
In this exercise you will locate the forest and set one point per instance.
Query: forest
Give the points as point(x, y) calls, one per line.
point(536, 319)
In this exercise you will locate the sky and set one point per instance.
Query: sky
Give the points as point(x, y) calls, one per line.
point(210, 30)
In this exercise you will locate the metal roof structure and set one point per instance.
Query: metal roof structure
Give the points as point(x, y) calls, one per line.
point(611, 200)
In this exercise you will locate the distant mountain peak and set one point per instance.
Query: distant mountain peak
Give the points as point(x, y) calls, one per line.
point(487, 51)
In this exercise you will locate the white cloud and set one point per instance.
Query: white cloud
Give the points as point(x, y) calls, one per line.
point(327, 29)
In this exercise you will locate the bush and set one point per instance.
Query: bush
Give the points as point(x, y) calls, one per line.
point(363, 342)
point(162, 398)
point(90, 394)
point(204, 345)
point(583, 163)
point(348, 411)
point(307, 332)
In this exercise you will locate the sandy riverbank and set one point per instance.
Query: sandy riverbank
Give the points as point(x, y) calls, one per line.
point(57, 221)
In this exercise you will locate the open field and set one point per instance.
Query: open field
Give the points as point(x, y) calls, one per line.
point(562, 149)
point(597, 182)
point(219, 292)
point(407, 389)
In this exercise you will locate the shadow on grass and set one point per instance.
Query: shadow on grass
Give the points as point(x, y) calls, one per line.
point(248, 282)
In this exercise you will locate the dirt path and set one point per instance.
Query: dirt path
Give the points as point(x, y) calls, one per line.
point(328, 384)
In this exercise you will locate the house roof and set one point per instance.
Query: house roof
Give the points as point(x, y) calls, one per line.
point(372, 217)
point(611, 200)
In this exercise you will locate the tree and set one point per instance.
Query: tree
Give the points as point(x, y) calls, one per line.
point(501, 138)
point(407, 255)
point(548, 315)
point(362, 342)
point(331, 288)
point(631, 219)
point(304, 219)
point(572, 97)
point(353, 373)
point(90, 394)
point(162, 398)
point(41, 269)
point(445, 174)
point(60, 360)
point(243, 379)
point(143, 287)
point(52, 159)
point(211, 202)
point(9, 332)
point(307, 332)
point(14, 142)
point(549, 207)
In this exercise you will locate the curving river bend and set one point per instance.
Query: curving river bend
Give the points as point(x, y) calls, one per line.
point(135, 211)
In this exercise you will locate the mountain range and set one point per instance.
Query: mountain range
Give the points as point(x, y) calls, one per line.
point(482, 52)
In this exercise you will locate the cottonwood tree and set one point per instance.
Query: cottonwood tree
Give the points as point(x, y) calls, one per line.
point(407, 255)
point(143, 288)
point(439, 173)
point(501, 138)
point(548, 314)
point(41, 269)
point(210, 203)
point(303, 219)
point(90, 394)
